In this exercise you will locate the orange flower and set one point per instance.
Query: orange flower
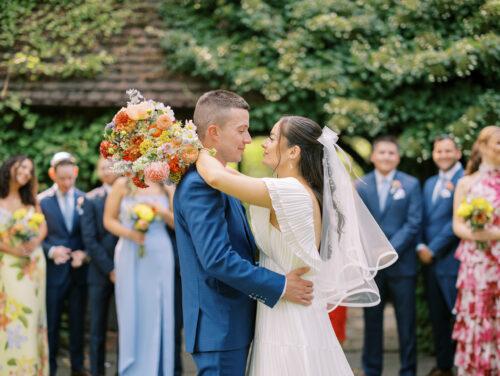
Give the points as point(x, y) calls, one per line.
point(164, 122)
point(480, 218)
point(174, 165)
point(131, 154)
point(189, 154)
point(4, 321)
point(139, 183)
point(123, 121)
point(29, 269)
point(156, 132)
point(104, 149)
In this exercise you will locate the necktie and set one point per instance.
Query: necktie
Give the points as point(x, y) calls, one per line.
point(67, 212)
point(383, 193)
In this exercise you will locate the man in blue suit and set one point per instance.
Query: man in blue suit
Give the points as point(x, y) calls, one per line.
point(217, 250)
point(437, 249)
point(394, 199)
point(66, 269)
point(100, 245)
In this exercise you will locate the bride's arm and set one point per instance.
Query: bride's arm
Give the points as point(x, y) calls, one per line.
point(245, 188)
point(112, 210)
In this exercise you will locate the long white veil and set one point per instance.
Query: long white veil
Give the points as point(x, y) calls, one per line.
point(353, 247)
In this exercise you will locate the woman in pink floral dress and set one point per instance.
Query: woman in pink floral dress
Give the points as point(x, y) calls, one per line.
point(477, 326)
point(23, 329)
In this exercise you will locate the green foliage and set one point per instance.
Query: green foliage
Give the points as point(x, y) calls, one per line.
point(45, 134)
point(57, 37)
point(415, 68)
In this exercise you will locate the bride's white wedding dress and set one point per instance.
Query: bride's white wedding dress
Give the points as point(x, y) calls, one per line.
point(291, 339)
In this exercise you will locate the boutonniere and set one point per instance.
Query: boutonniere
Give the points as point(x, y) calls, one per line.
point(395, 186)
point(447, 190)
point(397, 190)
point(79, 204)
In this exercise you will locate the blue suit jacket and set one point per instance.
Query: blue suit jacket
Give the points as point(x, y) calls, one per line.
point(57, 234)
point(99, 243)
point(400, 221)
point(219, 277)
point(437, 230)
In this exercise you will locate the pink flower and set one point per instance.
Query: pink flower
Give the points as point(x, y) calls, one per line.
point(157, 172)
point(139, 111)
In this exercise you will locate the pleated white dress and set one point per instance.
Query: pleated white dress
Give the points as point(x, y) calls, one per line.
point(291, 339)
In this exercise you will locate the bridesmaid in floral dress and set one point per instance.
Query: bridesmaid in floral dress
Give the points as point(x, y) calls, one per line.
point(477, 326)
point(23, 328)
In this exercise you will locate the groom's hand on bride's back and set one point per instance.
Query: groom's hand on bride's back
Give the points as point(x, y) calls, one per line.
point(298, 290)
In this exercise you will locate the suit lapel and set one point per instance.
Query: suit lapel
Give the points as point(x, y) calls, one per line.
point(75, 212)
point(389, 200)
point(431, 204)
point(58, 211)
point(373, 195)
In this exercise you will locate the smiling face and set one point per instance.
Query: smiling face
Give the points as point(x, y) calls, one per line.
point(65, 177)
point(231, 137)
point(272, 148)
point(385, 157)
point(445, 154)
point(22, 172)
point(104, 172)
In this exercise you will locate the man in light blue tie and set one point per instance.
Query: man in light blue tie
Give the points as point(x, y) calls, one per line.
point(437, 248)
point(64, 250)
point(394, 199)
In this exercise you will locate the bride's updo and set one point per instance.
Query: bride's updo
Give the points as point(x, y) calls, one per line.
point(304, 133)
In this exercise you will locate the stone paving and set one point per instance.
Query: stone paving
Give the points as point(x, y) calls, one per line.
point(352, 347)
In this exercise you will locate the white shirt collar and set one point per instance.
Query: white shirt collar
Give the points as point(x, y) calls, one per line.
point(448, 175)
point(379, 177)
point(71, 192)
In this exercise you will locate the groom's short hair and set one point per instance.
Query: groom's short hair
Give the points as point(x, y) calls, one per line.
point(213, 107)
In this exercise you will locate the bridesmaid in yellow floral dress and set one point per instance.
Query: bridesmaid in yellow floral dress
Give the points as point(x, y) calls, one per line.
point(23, 329)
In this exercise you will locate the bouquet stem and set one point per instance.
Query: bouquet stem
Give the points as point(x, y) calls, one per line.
point(142, 251)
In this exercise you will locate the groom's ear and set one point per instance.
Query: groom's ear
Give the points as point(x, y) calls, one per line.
point(213, 131)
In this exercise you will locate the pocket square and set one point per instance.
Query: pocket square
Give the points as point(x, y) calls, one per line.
point(399, 194)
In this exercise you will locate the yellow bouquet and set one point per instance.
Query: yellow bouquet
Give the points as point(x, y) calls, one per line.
point(143, 215)
point(23, 226)
point(477, 212)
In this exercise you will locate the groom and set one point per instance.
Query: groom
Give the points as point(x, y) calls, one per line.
point(217, 250)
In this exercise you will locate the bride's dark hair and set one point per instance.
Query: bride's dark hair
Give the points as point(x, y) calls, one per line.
point(304, 133)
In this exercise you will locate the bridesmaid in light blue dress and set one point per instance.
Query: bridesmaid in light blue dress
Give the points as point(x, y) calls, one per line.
point(144, 285)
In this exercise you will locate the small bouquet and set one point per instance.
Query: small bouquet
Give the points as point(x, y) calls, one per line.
point(23, 226)
point(143, 215)
point(145, 141)
point(477, 212)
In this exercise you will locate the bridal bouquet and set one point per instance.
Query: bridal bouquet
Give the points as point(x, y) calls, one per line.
point(477, 212)
point(145, 141)
point(143, 215)
point(23, 226)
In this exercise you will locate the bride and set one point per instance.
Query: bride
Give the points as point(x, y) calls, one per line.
point(310, 215)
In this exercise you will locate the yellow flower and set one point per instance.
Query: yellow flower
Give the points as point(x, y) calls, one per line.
point(38, 218)
point(19, 214)
point(465, 210)
point(14, 309)
point(164, 137)
point(144, 212)
point(145, 146)
point(480, 203)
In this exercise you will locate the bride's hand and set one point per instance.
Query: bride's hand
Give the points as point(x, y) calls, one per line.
point(30, 246)
point(208, 167)
point(486, 235)
point(136, 236)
